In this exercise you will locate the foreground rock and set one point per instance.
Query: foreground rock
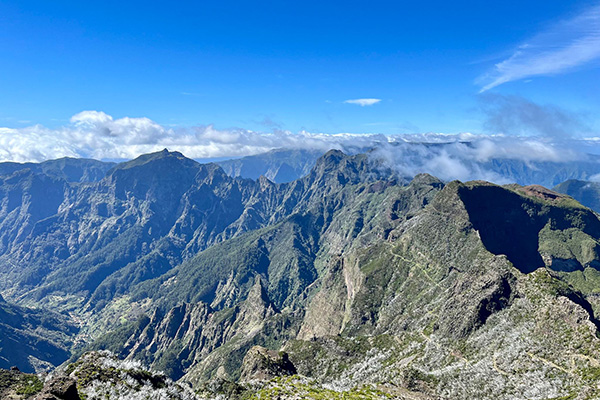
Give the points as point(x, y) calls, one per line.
point(261, 364)
point(16, 385)
point(101, 376)
point(60, 388)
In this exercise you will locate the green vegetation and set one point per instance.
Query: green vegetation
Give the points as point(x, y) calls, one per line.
point(29, 385)
point(299, 387)
point(24, 385)
point(587, 193)
point(526, 228)
point(586, 281)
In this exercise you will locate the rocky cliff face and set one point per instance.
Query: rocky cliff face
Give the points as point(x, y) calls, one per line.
point(426, 289)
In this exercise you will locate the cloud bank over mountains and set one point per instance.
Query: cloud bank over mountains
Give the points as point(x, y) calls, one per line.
point(95, 134)
point(469, 157)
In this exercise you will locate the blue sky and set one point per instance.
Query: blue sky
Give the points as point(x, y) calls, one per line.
point(266, 65)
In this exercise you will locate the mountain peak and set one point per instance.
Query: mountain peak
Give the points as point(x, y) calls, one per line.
point(332, 157)
point(264, 182)
point(258, 296)
point(159, 156)
point(170, 173)
point(426, 179)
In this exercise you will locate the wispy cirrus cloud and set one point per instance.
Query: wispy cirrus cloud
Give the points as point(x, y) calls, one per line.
point(561, 48)
point(363, 102)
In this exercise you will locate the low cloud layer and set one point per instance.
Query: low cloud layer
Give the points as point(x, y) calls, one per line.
point(498, 159)
point(561, 48)
point(94, 134)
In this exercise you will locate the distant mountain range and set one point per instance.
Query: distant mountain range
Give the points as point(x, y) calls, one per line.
point(585, 192)
point(279, 166)
point(352, 281)
point(68, 169)
point(408, 159)
point(287, 165)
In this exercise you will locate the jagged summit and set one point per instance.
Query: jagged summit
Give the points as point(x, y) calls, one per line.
point(427, 179)
point(333, 156)
point(335, 168)
point(159, 157)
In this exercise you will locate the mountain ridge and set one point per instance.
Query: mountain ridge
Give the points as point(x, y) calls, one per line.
point(360, 277)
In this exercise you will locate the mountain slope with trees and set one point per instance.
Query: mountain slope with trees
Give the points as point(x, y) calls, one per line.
point(364, 282)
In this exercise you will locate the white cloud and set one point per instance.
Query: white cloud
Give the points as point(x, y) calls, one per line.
point(451, 157)
point(90, 118)
point(363, 102)
point(94, 134)
point(563, 47)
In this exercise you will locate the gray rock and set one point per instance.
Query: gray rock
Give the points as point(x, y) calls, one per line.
point(261, 364)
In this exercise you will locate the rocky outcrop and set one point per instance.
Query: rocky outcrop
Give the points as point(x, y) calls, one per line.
point(16, 385)
point(59, 388)
point(261, 364)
